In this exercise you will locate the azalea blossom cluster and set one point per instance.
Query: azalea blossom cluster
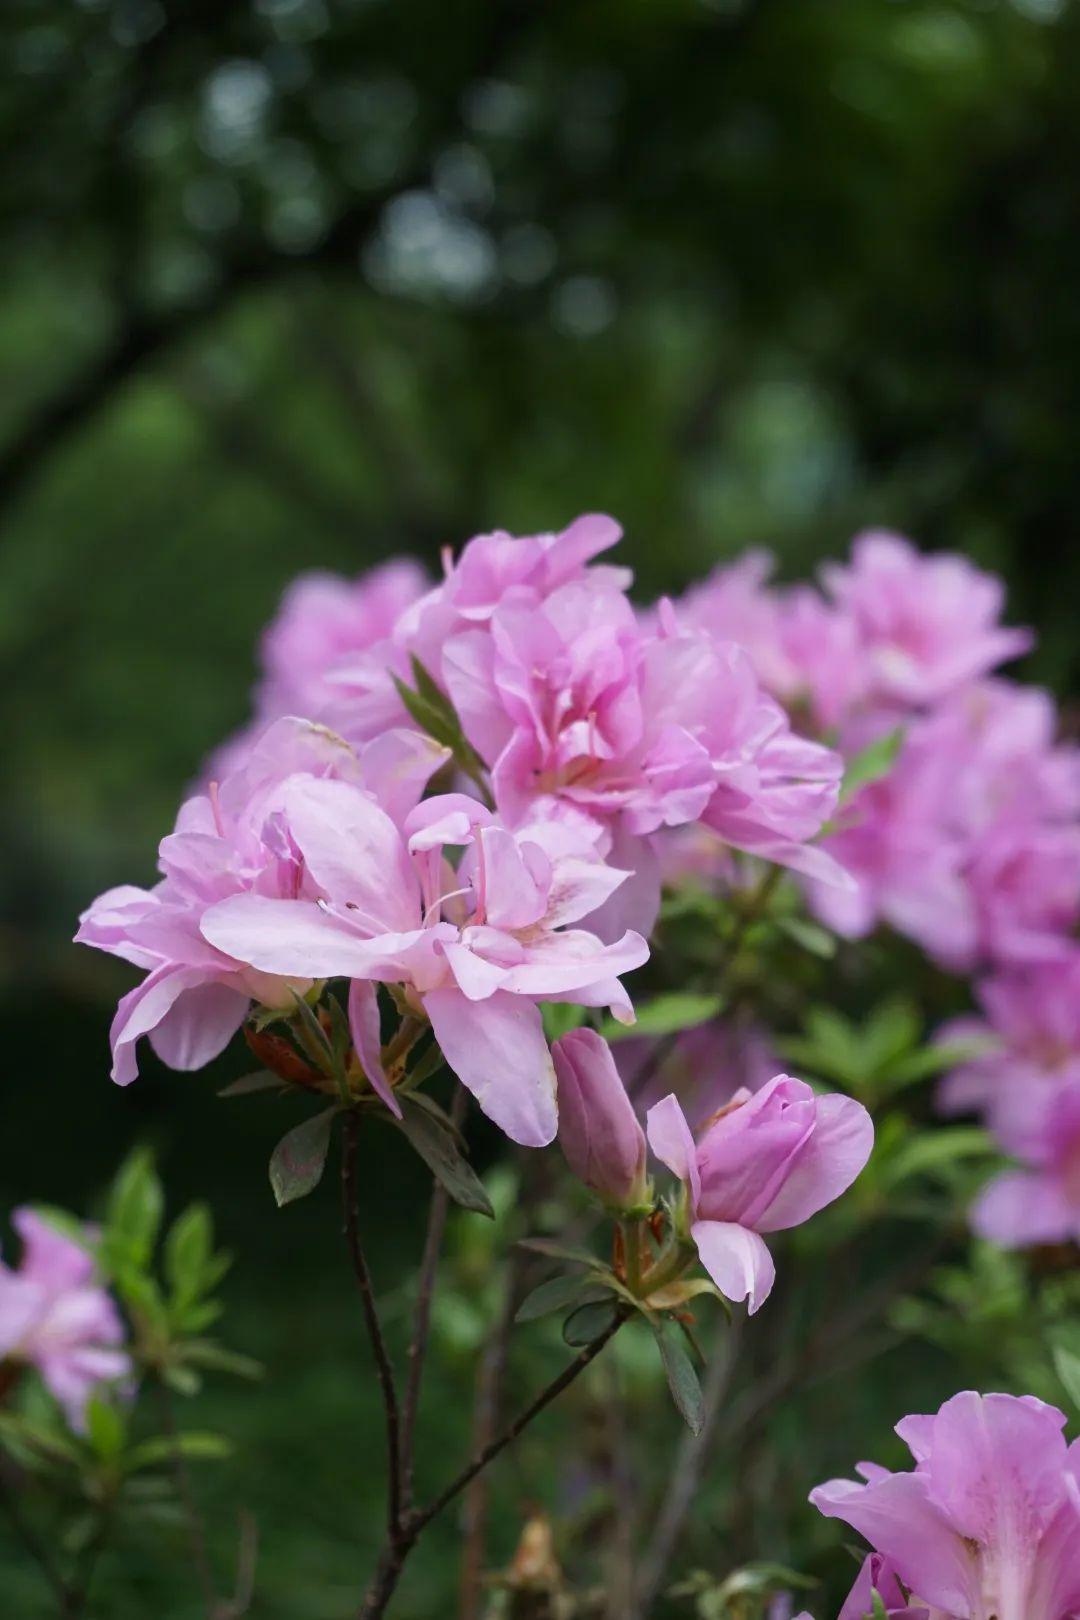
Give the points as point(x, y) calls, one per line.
point(462, 793)
point(55, 1316)
point(316, 854)
point(986, 1526)
point(969, 845)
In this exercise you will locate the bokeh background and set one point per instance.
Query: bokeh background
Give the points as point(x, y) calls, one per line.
point(296, 283)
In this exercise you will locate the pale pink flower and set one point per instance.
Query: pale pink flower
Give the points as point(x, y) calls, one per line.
point(234, 839)
point(987, 1524)
point(765, 1163)
point(56, 1317)
point(599, 1131)
point(476, 948)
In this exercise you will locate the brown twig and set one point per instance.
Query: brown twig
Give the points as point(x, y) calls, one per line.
point(422, 1316)
point(398, 1547)
point(383, 1367)
point(489, 1384)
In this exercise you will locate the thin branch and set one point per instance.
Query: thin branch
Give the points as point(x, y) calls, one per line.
point(488, 1453)
point(383, 1368)
point(422, 1317)
point(686, 1474)
point(399, 1546)
point(489, 1385)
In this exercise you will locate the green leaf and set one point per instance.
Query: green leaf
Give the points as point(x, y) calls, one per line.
point(559, 1251)
point(557, 1293)
point(879, 1611)
point(872, 763)
point(935, 1150)
point(162, 1449)
point(666, 1015)
point(105, 1429)
point(298, 1161)
point(588, 1322)
point(436, 1145)
point(682, 1378)
point(188, 1252)
point(249, 1084)
point(217, 1358)
point(136, 1206)
point(560, 1017)
point(810, 936)
point(1067, 1366)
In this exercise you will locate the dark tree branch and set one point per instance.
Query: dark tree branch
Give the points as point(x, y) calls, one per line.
point(383, 1368)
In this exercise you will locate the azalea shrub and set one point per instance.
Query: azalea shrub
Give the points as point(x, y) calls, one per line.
point(748, 920)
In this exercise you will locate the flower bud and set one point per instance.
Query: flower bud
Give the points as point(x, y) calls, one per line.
point(598, 1129)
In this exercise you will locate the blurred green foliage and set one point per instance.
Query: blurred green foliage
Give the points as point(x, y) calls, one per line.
point(296, 283)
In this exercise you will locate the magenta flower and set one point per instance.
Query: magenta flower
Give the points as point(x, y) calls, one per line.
point(234, 840)
point(476, 948)
point(765, 1163)
point(987, 1524)
point(598, 1128)
point(54, 1316)
point(928, 624)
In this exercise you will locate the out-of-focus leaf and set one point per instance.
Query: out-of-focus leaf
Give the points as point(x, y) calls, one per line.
point(666, 1015)
point(872, 763)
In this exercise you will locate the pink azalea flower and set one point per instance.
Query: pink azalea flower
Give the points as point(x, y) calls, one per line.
point(234, 839)
point(878, 1575)
point(54, 1316)
point(805, 651)
point(598, 1129)
point(971, 844)
point(988, 1521)
point(580, 715)
point(492, 571)
point(928, 624)
point(323, 620)
point(765, 1163)
point(476, 948)
point(1027, 1038)
point(1039, 1203)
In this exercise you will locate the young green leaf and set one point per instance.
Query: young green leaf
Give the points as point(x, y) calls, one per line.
point(666, 1015)
point(436, 1144)
point(681, 1376)
point(591, 1318)
point(193, 1444)
point(298, 1161)
point(557, 1293)
point(872, 763)
point(136, 1205)
point(1067, 1366)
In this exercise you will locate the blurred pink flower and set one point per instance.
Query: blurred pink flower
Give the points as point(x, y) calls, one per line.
point(765, 1163)
point(987, 1523)
point(54, 1316)
point(928, 624)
